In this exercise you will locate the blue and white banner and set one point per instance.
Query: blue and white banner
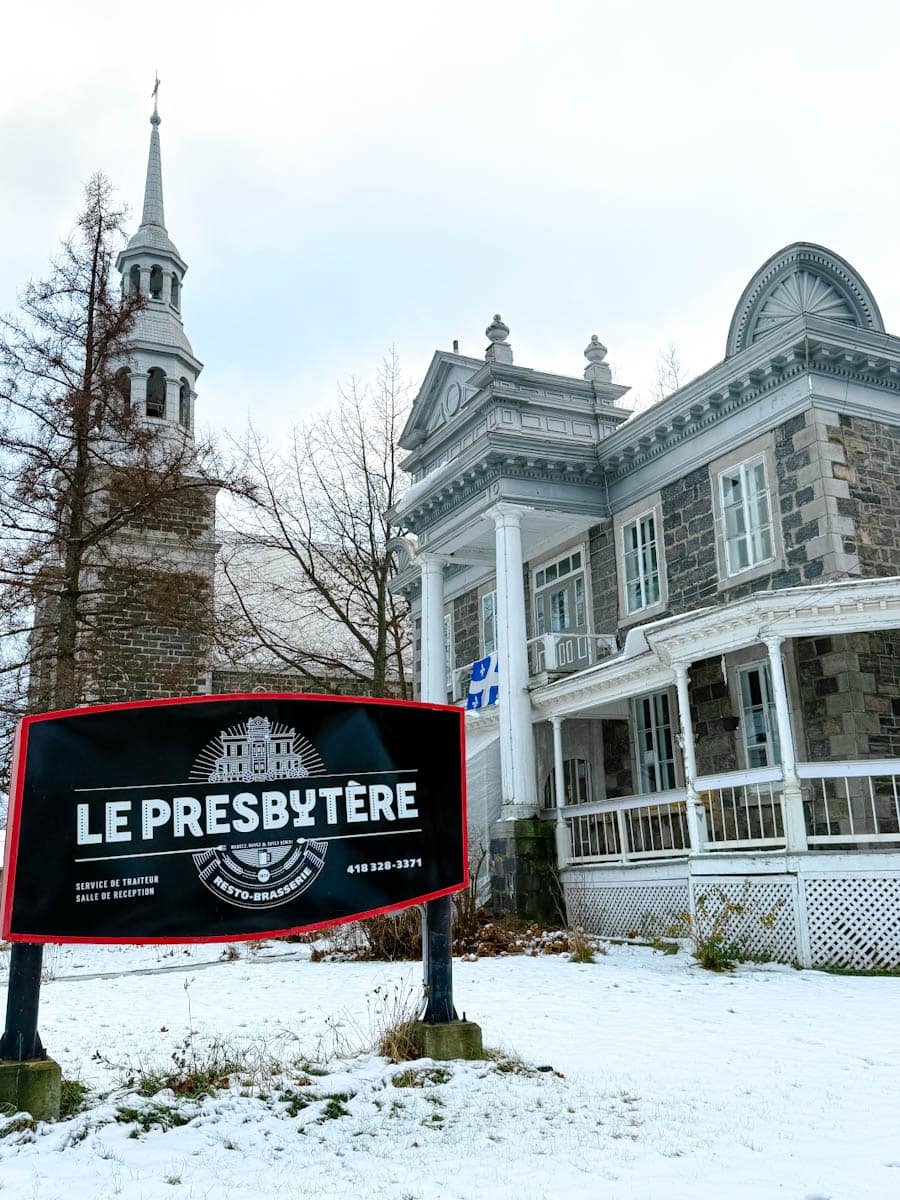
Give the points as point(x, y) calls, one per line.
point(484, 686)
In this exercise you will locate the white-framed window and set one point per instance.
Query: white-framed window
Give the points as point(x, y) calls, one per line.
point(746, 516)
point(577, 776)
point(654, 743)
point(560, 603)
point(640, 561)
point(759, 724)
point(448, 647)
point(488, 621)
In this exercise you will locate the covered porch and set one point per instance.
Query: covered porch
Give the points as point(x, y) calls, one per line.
point(797, 694)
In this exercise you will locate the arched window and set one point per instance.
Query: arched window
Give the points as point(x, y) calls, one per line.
point(156, 283)
point(184, 404)
point(577, 774)
point(176, 292)
point(156, 393)
point(122, 383)
point(134, 277)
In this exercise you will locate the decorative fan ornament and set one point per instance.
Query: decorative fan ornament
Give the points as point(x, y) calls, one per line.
point(801, 293)
point(802, 280)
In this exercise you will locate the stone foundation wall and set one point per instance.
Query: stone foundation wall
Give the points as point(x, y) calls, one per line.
point(524, 880)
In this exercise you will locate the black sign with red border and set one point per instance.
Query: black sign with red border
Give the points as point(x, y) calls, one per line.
point(218, 818)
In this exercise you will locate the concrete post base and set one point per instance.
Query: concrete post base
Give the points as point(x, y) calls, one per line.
point(32, 1087)
point(451, 1039)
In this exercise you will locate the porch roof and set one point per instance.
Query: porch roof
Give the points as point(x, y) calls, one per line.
point(646, 662)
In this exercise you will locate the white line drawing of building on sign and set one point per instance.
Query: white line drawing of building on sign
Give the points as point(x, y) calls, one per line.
point(257, 752)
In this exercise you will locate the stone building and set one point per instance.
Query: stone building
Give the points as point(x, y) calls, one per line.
point(695, 611)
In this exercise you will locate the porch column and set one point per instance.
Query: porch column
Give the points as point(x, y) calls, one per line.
point(794, 817)
point(696, 814)
point(433, 689)
point(563, 840)
point(517, 769)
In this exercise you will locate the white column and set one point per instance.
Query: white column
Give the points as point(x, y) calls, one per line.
point(145, 282)
point(517, 767)
point(434, 684)
point(794, 817)
point(563, 840)
point(696, 814)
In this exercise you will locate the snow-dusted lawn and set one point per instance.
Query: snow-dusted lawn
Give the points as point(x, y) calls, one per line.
point(677, 1084)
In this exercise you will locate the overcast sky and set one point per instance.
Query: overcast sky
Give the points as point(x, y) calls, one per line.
point(343, 177)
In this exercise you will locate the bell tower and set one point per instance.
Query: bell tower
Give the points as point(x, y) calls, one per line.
point(161, 383)
point(160, 576)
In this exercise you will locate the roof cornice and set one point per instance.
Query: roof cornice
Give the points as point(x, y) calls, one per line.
point(808, 344)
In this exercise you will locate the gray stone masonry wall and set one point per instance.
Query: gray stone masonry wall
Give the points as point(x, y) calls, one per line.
point(251, 679)
point(710, 703)
point(604, 594)
point(870, 471)
point(466, 629)
point(850, 695)
point(524, 880)
point(151, 637)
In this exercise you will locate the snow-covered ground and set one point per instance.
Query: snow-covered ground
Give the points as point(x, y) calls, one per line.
point(669, 1083)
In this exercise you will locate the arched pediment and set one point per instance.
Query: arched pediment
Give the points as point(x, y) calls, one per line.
point(802, 279)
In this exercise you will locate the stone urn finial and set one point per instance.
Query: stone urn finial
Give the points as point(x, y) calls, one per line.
point(498, 330)
point(499, 350)
point(597, 370)
point(596, 351)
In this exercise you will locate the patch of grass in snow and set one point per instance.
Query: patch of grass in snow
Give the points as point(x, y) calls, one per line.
point(72, 1095)
point(149, 1116)
point(334, 1107)
point(419, 1077)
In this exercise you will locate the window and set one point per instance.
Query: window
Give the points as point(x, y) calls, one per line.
point(176, 292)
point(641, 563)
point(577, 774)
point(448, 647)
point(654, 744)
point(156, 283)
point(746, 516)
point(488, 623)
point(156, 393)
point(560, 606)
point(134, 277)
point(759, 724)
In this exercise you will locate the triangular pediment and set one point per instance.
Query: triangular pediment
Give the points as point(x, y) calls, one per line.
point(443, 396)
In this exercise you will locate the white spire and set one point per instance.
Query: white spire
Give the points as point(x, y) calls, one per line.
point(153, 193)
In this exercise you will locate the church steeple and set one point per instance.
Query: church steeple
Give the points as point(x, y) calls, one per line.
point(153, 194)
point(163, 367)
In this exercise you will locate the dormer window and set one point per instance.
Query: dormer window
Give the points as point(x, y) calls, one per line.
point(184, 404)
point(176, 292)
point(156, 283)
point(156, 393)
point(134, 279)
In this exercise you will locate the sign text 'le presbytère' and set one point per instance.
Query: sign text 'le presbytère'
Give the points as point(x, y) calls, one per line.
point(227, 817)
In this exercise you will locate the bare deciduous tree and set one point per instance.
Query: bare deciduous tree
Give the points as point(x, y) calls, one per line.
point(670, 374)
point(82, 475)
point(307, 564)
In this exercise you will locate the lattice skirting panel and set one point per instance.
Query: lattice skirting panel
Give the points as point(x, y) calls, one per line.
point(758, 913)
point(644, 910)
point(854, 921)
